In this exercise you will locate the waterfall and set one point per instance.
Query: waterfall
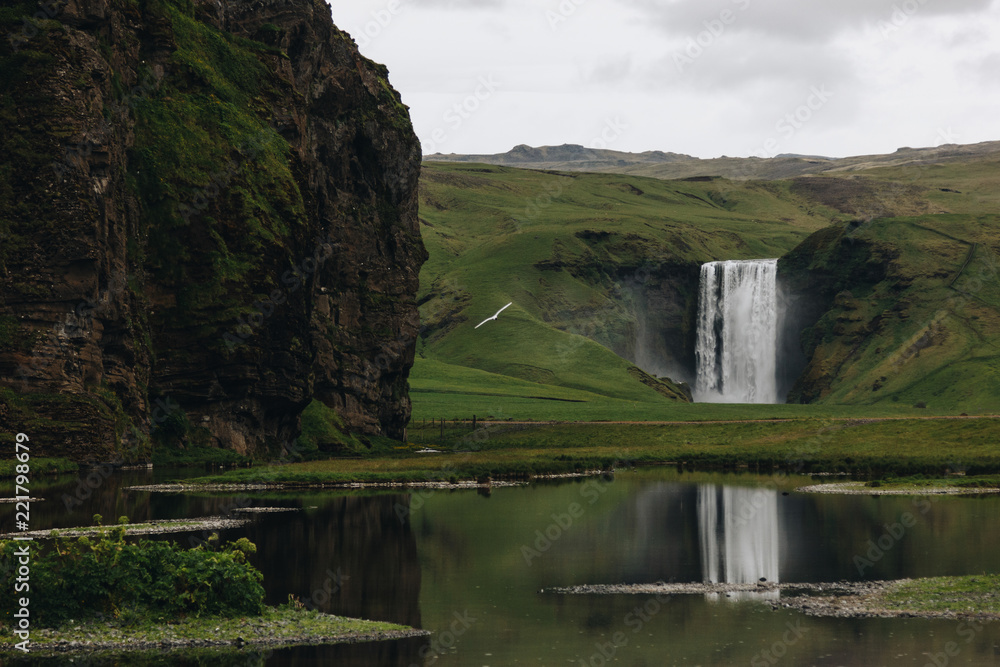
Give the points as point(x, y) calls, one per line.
point(740, 539)
point(737, 332)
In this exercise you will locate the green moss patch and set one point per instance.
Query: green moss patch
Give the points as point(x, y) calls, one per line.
point(39, 466)
point(214, 176)
point(287, 625)
point(977, 595)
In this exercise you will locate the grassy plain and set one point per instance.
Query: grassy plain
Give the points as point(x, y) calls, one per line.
point(868, 447)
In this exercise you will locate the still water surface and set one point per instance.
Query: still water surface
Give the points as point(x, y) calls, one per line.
point(470, 567)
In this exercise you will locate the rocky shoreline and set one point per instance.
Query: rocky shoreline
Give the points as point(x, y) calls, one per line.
point(269, 510)
point(68, 646)
point(696, 588)
point(155, 527)
point(842, 599)
point(179, 488)
point(402, 484)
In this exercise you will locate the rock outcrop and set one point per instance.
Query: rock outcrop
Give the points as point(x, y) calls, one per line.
point(208, 218)
point(820, 308)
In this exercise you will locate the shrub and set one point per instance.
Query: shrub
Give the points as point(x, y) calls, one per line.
point(107, 576)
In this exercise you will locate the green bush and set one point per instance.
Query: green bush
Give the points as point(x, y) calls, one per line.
point(77, 579)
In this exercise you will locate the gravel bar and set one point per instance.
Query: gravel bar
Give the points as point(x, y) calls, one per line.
point(180, 488)
point(842, 599)
point(157, 527)
point(59, 647)
point(859, 489)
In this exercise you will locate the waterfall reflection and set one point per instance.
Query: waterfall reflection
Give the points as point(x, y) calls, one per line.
point(738, 536)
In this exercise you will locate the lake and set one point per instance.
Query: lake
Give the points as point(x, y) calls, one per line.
point(471, 567)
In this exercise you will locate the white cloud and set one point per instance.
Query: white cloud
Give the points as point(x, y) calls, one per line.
point(796, 20)
point(898, 70)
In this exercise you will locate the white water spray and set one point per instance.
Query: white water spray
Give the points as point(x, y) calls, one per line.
point(737, 331)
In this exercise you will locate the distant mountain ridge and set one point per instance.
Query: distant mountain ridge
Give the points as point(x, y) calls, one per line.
point(523, 154)
point(659, 164)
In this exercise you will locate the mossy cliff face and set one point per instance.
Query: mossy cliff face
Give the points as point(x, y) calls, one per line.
point(819, 278)
point(903, 310)
point(207, 219)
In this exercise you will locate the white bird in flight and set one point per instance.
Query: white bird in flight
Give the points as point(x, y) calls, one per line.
point(494, 315)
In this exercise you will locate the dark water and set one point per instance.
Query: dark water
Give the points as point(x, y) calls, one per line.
point(470, 568)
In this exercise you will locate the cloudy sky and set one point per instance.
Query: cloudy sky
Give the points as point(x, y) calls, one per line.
point(702, 77)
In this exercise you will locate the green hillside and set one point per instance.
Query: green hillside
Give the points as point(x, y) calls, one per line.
point(602, 270)
point(577, 254)
point(924, 326)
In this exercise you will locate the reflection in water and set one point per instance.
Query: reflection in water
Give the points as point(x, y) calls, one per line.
point(744, 544)
point(708, 532)
point(462, 554)
point(350, 556)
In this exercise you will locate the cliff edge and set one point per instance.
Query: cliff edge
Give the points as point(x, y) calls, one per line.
point(208, 219)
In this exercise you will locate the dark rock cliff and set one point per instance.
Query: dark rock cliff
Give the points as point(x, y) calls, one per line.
point(207, 220)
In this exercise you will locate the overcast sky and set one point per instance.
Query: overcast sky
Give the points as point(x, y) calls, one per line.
point(702, 77)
